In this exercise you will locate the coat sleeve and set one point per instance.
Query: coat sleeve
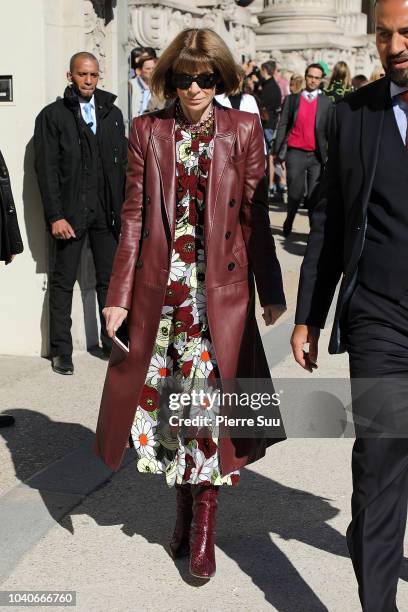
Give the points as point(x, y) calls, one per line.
point(323, 262)
point(9, 211)
point(283, 128)
point(46, 147)
point(255, 224)
point(123, 272)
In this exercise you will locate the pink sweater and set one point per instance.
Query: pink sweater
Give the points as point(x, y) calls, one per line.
point(302, 135)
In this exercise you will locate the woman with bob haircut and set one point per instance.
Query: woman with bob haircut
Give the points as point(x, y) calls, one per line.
point(195, 230)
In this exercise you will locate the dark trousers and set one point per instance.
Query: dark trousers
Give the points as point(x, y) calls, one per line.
point(301, 167)
point(63, 277)
point(377, 337)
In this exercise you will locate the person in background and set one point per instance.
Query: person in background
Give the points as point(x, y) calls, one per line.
point(282, 83)
point(139, 87)
point(239, 99)
point(252, 83)
point(270, 101)
point(301, 141)
point(11, 243)
point(135, 55)
point(296, 83)
point(359, 81)
point(80, 158)
point(340, 82)
point(377, 73)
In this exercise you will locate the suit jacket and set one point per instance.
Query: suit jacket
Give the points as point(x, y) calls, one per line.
point(339, 220)
point(288, 118)
point(10, 238)
point(238, 239)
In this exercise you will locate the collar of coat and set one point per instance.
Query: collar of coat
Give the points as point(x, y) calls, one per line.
point(223, 123)
point(104, 100)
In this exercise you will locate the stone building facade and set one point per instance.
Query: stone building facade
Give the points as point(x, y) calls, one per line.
point(294, 32)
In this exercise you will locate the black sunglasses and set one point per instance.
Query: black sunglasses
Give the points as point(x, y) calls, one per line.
point(204, 81)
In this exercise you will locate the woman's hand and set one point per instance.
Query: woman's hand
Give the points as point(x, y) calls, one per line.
point(114, 316)
point(272, 312)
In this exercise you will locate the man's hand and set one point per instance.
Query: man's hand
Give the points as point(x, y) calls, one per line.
point(62, 229)
point(303, 334)
point(271, 313)
point(114, 316)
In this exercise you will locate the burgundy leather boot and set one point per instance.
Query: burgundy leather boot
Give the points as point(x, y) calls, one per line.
point(202, 553)
point(180, 542)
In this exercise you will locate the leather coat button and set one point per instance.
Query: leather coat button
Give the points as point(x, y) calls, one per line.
point(227, 235)
point(145, 233)
point(232, 202)
point(148, 200)
point(231, 266)
point(139, 264)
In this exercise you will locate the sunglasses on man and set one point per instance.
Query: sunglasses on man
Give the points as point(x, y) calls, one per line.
point(181, 80)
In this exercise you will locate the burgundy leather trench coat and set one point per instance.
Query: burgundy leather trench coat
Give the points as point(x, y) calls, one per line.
point(238, 240)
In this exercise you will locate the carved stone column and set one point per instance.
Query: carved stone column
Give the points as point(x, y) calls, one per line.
point(298, 32)
point(297, 24)
point(155, 25)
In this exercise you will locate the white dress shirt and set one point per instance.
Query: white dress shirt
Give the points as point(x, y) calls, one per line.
point(82, 103)
point(400, 109)
point(311, 95)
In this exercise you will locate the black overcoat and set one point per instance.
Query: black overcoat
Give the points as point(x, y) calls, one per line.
point(339, 220)
point(63, 155)
point(10, 238)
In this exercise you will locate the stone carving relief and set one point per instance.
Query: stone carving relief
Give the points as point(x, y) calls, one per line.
point(156, 25)
point(95, 35)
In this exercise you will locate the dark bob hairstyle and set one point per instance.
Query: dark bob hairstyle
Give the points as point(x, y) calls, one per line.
point(193, 51)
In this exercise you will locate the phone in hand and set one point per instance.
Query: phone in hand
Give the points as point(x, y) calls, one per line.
point(121, 338)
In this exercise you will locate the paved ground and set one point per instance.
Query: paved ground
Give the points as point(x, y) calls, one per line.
point(65, 525)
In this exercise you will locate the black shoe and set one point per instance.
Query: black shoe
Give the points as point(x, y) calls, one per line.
point(286, 230)
point(6, 420)
point(62, 364)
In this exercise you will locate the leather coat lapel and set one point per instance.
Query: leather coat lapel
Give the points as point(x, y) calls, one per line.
point(224, 139)
point(164, 147)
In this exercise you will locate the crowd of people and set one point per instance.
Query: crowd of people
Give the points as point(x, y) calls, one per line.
point(288, 106)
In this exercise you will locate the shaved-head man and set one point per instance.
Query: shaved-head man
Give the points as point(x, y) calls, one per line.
point(81, 154)
point(360, 235)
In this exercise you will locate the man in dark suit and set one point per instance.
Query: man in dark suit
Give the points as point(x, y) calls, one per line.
point(10, 237)
point(301, 141)
point(360, 232)
point(81, 154)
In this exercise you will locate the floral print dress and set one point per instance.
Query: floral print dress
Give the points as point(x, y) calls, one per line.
point(183, 351)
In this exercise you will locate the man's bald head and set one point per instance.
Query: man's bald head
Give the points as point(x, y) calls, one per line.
point(80, 56)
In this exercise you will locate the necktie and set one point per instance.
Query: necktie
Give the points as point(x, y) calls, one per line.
point(88, 116)
point(404, 96)
point(310, 97)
